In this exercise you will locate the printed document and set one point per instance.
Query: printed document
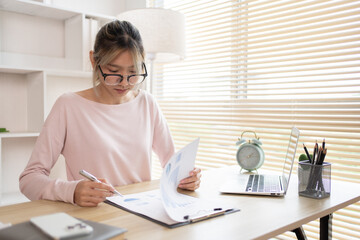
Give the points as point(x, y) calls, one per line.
point(166, 204)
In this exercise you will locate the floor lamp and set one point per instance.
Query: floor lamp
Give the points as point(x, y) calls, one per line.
point(163, 34)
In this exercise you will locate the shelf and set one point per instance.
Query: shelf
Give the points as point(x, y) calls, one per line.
point(62, 73)
point(70, 36)
point(48, 72)
point(100, 17)
point(18, 134)
point(47, 11)
point(31, 62)
point(36, 9)
point(17, 70)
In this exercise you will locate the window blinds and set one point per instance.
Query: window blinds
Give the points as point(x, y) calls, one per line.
point(267, 66)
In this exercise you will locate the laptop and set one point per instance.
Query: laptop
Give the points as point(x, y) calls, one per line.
point(265, 184)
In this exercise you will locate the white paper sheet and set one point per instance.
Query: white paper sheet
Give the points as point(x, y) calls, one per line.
point(178, 167)
point(167, 205)
point(146, 203)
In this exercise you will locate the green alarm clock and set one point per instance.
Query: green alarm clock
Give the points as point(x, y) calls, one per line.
point(250, 156)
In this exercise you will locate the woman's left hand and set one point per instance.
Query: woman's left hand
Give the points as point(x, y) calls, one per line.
point(193, 181)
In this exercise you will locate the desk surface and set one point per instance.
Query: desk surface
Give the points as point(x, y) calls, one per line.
point(272, 215)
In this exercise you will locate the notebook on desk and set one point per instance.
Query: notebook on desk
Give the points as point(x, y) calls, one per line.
point(265, 184)
point(27, 230)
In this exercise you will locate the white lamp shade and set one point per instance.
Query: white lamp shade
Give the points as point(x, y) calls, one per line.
point(162, 32)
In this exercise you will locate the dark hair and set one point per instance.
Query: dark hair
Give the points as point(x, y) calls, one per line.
point(113, 38)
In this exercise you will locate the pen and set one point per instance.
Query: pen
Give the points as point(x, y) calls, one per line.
point(315, 153)
point(307, 153)
point(319, 156)
point(94, 179)
point(323, 156)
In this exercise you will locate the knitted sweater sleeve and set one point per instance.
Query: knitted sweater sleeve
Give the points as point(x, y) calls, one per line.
point(34, 181)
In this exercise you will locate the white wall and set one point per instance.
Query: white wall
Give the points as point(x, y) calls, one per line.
point(13, 89)
point(30, 35)
point(135, 4)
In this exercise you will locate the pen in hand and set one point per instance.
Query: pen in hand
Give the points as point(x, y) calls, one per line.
point(94, 179)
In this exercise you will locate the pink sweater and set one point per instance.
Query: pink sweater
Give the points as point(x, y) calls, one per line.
point(110, 141)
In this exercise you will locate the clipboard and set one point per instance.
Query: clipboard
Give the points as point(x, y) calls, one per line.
point(160, 216)
point(192, 219)
point(172, 209)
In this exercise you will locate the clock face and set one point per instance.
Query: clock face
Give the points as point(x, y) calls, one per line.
point(248, 156)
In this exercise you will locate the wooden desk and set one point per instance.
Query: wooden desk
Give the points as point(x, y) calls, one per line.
point(259, 218)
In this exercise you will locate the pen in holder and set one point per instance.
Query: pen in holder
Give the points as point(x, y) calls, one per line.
point(314, 180)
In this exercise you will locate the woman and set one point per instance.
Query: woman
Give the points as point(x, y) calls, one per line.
point(109, 130)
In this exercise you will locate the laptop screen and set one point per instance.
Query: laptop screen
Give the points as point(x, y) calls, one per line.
point(290, 156)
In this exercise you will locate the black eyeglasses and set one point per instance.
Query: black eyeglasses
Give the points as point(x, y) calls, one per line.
point(115, 79)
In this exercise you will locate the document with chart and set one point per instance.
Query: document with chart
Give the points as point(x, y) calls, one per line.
point(165, 205)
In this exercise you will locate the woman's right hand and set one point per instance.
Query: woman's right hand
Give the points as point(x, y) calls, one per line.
point(90, 194)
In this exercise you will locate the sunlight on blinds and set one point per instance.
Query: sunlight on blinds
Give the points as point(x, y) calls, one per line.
point(266, 66)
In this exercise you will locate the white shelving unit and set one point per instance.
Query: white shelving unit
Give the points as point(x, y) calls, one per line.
point(43, 54)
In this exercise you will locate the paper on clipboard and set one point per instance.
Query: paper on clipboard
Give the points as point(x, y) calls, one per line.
point(172, 208)
point(181, 207)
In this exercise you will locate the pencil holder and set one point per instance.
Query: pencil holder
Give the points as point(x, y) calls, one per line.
point(314, 180)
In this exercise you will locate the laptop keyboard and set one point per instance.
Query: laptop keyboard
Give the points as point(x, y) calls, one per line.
point(261, 183)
